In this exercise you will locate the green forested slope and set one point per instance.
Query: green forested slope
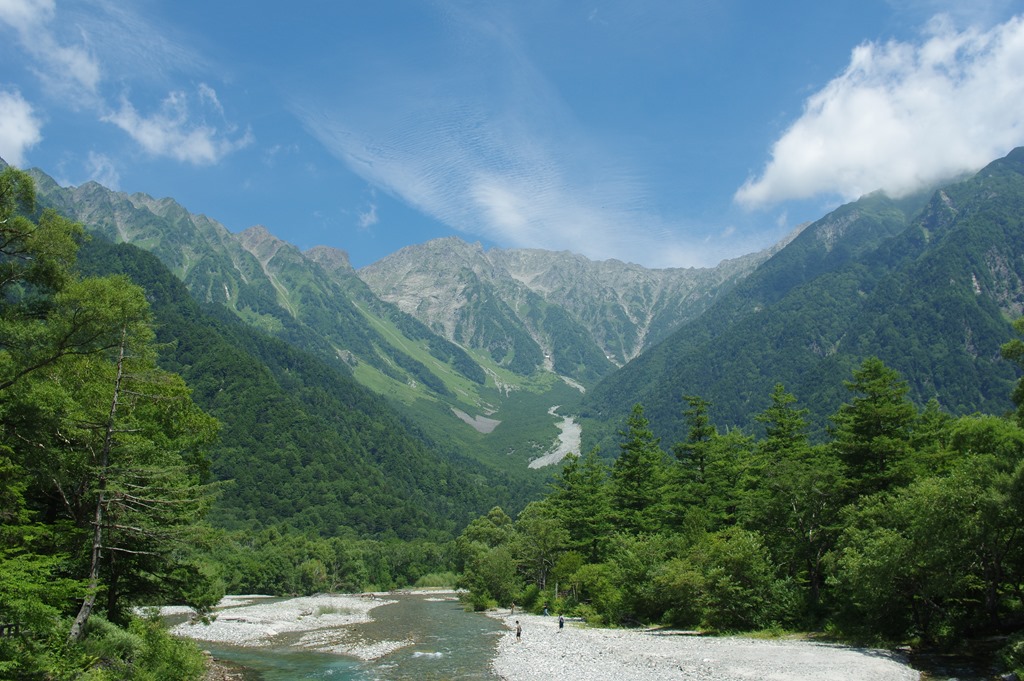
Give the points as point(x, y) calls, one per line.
point(301, 441)
point(931, 295)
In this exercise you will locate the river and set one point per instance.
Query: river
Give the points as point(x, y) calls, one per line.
point(440, 640)
point(446, 642)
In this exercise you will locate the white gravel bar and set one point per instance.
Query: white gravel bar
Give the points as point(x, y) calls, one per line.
point(259, 620)
point(581, 652)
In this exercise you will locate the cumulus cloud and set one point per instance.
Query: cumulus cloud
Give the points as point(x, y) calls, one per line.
point(176, 131)
point(903, 116)
point(19, 127)
point(69, 50)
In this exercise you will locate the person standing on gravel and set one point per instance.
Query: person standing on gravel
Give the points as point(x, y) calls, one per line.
point(561, 622)
point(519, 632)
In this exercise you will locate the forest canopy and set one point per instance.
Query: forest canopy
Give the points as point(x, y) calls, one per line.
point(902, 526)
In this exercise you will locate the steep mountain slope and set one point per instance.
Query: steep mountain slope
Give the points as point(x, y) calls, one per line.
point(580, 316)
point(324, 308)
point(301, 441)
point(476, 346)
point(927, 287)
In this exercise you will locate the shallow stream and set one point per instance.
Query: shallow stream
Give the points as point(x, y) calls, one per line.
point(446, 643)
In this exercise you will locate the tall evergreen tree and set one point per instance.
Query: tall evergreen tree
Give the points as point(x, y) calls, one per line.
point(871, 432)
point(689, 475)
point(580, 497)
point(637, 476)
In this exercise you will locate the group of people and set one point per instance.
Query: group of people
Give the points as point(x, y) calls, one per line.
point(519, 627)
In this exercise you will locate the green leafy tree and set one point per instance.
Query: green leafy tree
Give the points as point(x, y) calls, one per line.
point(636, 561)
point(486, 559)
point(101, 452)
point(704, 480)
point(738, 588)
point(941, 556)
point(793, 495)
point(540, 540)
point(693, 454)
point(785, 429)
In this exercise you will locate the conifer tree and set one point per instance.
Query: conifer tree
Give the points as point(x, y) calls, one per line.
point(580, 497)
point(871, 433)
point(637, 476)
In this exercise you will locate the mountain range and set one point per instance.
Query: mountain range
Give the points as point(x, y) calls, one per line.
point(460, 338)
point(486, 350)
point(929, 284)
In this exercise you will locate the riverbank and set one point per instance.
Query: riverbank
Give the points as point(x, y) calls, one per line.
point(421, 634)
point(584, 652)
point(321, 623)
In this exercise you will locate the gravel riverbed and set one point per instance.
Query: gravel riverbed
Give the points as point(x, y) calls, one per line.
point(322, 623)
point(582, 652)
point(319, 623)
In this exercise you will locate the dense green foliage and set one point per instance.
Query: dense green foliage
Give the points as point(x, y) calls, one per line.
point(902, 526)
point(131, 416)
point(109, 467)
point(301, 441)
point(926, 284)
point(101, 459)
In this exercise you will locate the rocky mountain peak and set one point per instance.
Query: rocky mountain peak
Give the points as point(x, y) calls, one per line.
point(330, 258)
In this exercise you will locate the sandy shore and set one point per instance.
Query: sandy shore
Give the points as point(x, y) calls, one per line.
point(582, 652)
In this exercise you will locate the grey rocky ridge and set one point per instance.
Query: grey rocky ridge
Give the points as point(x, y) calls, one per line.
point(622, 308)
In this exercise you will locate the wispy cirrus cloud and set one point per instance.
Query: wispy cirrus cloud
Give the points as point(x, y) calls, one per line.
point(903, 116)
point(177, 131)
point(20, 129)
point(368, 218)
point(481, 141)
point(76, 49)
point(102, 169)
point(67, 70)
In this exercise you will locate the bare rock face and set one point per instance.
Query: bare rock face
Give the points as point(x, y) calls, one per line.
point(621, 308)
point(331, 259)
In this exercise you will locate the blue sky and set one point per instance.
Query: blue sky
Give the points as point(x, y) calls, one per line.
point(661, 132)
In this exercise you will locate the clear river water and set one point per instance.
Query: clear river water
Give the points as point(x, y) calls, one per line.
point(448, 643)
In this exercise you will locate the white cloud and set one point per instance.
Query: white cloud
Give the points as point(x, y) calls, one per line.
point(24, 15)
point(368, 218)
point(101, 168)
point(68, 49)
point(19, 128)
point(482, 142)
point(903, 116)
point(69, 71)
point(175, 132)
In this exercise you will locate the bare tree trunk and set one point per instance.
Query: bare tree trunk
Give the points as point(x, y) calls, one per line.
point(78, 628)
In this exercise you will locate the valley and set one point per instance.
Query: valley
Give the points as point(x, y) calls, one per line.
point(722, 448)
